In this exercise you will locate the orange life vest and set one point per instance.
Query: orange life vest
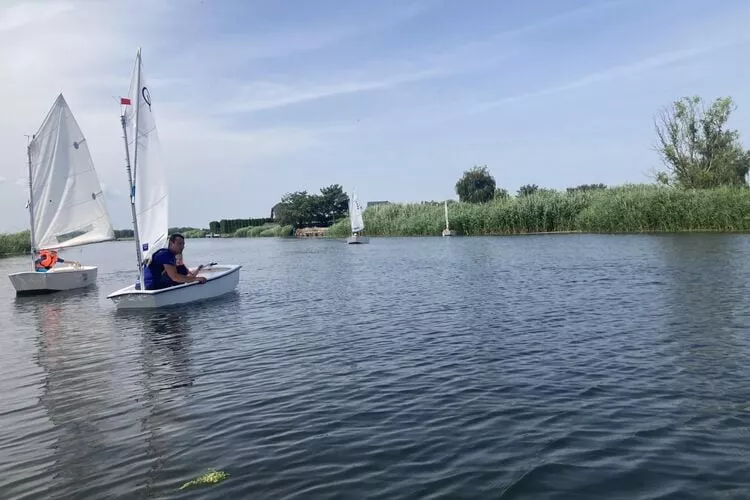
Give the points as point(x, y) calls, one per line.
point(47, 259)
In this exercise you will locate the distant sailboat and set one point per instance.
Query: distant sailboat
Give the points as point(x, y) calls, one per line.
point(148, 204)
point(357, 222)
point(66, 206)
point(447, 231)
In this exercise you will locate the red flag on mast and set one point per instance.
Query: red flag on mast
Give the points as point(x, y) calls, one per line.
point(125, 101)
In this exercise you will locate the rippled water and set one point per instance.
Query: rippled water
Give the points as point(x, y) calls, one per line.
point(563, 366)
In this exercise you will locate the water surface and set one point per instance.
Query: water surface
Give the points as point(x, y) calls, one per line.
point(563, 366)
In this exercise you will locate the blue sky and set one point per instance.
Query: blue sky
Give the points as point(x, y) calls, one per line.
point(394, 98)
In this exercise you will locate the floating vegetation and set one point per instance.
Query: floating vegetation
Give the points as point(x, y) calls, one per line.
point(211, 477)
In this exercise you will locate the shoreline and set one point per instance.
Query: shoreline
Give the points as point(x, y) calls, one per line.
point(716, 232)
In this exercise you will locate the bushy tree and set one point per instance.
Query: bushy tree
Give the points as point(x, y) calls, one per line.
point(301, 209)
point(476, 185)
point(695, 147)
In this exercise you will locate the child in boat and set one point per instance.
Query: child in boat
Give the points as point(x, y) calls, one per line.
point(47, 260)
point(182, 268)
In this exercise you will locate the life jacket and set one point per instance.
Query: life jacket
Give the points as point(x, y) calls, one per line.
point(47, 259)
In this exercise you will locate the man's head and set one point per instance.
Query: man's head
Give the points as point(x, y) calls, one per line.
point(176, 243)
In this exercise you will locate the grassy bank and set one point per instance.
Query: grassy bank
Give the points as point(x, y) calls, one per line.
point(626, 209)
point(14, 244)
point(266, 230)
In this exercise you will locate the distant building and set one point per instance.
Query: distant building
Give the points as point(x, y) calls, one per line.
point(375, 203)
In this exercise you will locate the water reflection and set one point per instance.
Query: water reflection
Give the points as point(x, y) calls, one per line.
point(166, 378)
point(73, 393)
point(705, 280)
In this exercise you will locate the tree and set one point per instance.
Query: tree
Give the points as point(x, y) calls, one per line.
point(476, 185)
point(527, 189)
point(301, 209)
point(586, 187)
point(334, 203)
point(695, 147)
point(213, 226)
point(501, 194)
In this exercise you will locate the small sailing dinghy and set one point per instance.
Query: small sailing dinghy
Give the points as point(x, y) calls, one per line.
point(356, 221)
point(447, 231)
point(66, 203)
point(149, 207)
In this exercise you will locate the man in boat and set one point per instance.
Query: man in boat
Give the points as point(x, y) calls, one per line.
point(161, 270)
point(47, 260)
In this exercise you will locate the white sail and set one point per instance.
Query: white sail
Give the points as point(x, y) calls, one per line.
point(446, 215)
point(151, 195)
point(68, 204)
point(355, 214)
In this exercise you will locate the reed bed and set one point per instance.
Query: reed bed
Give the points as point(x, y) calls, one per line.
point(624, 209)
point(267, 230)
point(14, 243)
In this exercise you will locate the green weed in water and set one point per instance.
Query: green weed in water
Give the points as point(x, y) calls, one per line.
point(211, 477)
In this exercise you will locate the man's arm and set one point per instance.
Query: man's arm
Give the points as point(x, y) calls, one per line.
point(171, 270)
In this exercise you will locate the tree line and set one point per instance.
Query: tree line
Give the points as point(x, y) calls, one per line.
point(692, 141)
point(302, 209)
point(229, 226)
point(297, 209)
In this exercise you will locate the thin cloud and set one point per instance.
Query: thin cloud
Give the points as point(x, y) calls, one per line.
point(22, 14)
point(284, 42)
point(267, 95)
point(611, 74)
point(264, 95)
point(533, 26)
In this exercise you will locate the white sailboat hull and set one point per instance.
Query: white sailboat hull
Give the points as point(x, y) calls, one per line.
point(56, 279)
point(357, 239)
point(221, 280)
point(449, 232)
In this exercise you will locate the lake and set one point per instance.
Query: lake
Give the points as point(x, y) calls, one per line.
point(534, 367)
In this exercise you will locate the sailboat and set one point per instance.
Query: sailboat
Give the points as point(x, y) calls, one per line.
point(356, 221)
point(149, 198)
point(66, 203)
point(447, 231)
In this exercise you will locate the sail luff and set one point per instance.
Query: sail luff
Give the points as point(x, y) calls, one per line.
point(32, 236)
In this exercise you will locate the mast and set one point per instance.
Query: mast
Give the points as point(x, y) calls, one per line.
point(31, 202)
point(137, 114)
point(131, 176)
point(132, 199)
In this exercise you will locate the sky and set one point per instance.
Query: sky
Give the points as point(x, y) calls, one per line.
point(395, 98)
